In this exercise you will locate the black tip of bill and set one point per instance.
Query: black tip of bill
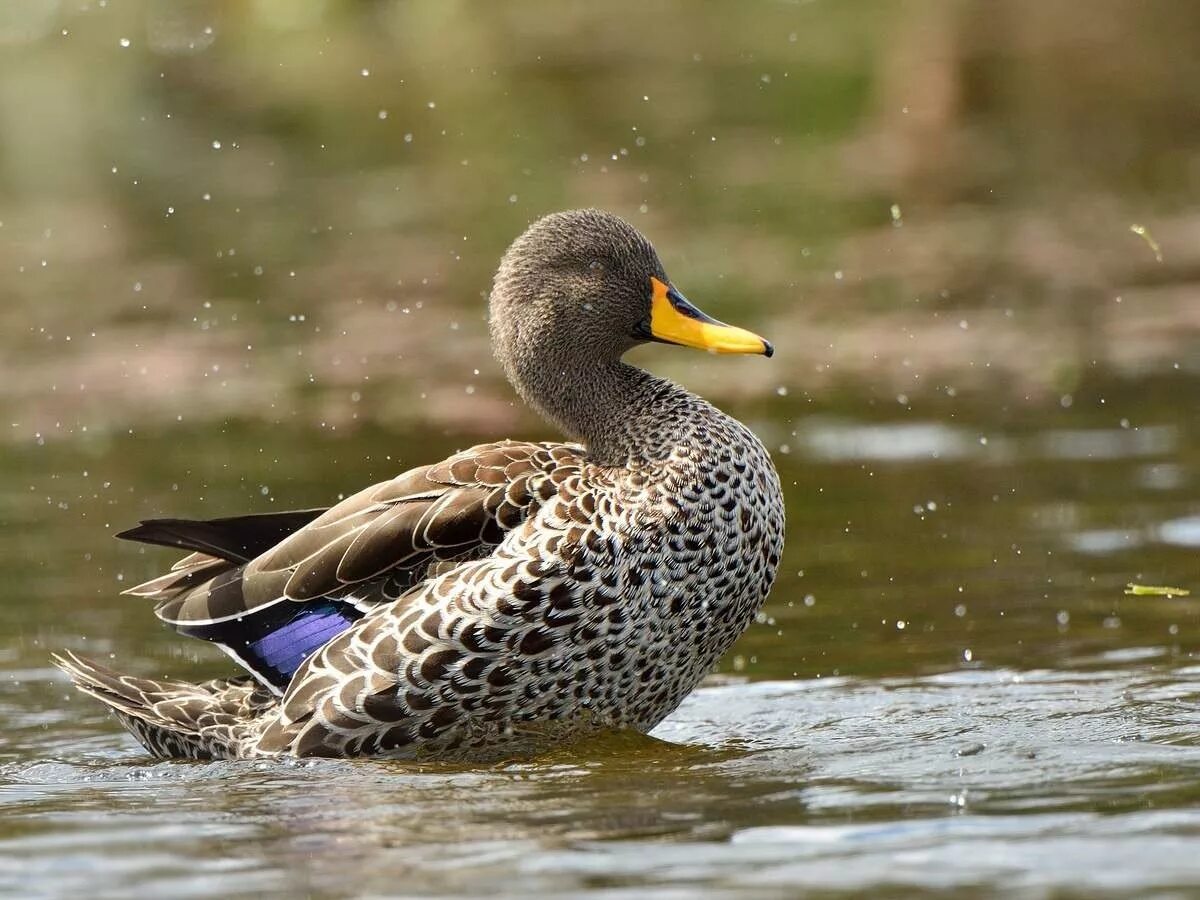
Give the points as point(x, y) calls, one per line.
point(768, 348)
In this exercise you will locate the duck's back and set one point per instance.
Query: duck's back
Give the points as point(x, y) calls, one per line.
point(604, 608)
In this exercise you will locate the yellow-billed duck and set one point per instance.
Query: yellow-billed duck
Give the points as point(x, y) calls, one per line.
point(514, 590)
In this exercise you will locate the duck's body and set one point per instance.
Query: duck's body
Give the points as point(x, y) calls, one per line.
point(511, 594)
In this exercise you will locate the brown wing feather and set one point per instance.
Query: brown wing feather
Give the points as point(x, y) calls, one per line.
point(188, 572)
point(456, 509)
point(382, 546)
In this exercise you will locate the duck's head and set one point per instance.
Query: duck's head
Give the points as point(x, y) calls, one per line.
point(588, 283)
point(572, 295)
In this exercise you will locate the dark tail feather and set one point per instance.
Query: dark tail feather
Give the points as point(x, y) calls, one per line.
point(237, 539)
point(171, 719)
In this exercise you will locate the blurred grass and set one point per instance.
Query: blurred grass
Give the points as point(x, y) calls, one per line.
point(216, 209)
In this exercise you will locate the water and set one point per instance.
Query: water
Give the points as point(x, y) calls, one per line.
point(948, 692)
point(243, 249)
point(1015, 781)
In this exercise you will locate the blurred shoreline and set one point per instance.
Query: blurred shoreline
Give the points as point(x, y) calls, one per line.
point(408, 358)
point(213, 212)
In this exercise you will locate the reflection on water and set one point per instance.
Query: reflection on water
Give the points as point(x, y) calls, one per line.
point(896, 442)
point(948, 689)
point(1103, 541)
point(995, 779)
point(1183, 532)
point(1108, 443)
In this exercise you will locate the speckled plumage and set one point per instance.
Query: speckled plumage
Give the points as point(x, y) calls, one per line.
point(512, 594)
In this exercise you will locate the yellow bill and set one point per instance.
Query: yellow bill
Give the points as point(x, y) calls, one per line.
point(674, 320)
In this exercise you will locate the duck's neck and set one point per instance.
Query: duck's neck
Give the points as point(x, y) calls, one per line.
point(619, 412)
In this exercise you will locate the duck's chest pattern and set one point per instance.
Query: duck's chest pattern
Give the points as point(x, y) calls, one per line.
point(604, 608)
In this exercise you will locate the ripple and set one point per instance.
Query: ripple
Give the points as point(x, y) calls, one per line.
point(1184, 532)
point(838, 441)
point(1108, 443)
point(775, 785)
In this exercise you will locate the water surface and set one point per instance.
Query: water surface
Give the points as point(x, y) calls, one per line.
point(948, 690)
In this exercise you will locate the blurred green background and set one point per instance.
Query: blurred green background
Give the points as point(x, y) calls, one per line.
point(291, 211)
point(245, 248)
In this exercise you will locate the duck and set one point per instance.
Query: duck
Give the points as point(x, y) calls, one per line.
point(514, 596)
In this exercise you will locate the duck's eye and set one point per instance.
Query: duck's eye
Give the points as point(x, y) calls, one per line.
point(596, 266)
